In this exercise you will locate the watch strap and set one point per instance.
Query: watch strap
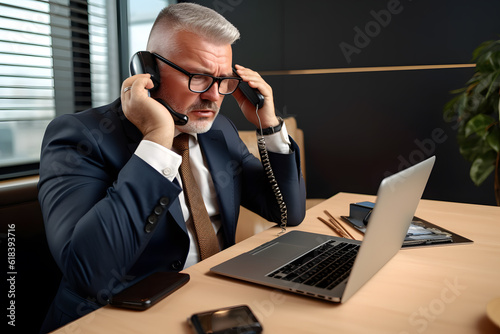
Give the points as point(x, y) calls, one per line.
point(272, 129)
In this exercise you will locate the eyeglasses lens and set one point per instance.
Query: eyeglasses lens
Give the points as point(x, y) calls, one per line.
point(201, 83)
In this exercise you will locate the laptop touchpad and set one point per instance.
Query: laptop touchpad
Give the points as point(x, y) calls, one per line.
point(280, 250)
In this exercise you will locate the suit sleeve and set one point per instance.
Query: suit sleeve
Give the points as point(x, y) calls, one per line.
point(286, 170)
point(97, 212)
point(257, 194)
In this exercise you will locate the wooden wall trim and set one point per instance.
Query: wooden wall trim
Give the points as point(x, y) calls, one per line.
point(365, 69)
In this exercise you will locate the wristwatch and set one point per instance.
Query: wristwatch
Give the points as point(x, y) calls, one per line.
point(272, 129)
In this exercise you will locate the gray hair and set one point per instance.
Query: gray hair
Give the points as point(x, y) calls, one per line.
point(199, 20)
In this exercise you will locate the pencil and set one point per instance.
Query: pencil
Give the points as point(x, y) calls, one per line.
point(333, 227)
point(339, 224)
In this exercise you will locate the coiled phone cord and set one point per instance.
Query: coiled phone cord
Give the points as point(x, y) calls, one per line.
point(264, 156)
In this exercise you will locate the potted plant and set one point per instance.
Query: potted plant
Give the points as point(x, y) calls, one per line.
point(474, 110)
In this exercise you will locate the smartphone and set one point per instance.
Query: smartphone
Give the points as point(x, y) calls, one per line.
point(144, 62)
point(230, 320)
point(149, 290)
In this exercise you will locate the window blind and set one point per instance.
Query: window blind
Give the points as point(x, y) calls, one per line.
point(54, 59)
point(26, 76)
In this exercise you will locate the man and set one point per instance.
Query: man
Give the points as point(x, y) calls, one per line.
point(113, 202)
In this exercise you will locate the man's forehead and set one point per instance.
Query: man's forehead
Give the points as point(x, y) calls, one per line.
point(187, 45)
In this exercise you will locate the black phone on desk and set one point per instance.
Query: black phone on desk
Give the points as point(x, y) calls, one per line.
point(229, 320)
point(147, 292)
point(145, 62)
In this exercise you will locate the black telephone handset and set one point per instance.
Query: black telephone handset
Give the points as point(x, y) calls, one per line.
point(144, 62)
point(252, 94)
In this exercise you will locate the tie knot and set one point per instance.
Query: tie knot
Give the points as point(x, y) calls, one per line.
point(181, 142)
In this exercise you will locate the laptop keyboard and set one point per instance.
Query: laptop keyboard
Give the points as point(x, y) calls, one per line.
point(323, 267)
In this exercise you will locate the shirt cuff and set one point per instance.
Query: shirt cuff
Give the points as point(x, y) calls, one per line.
point(279, 142)
point(165, 161)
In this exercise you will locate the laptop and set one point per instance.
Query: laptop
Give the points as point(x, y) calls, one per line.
point(329, 267)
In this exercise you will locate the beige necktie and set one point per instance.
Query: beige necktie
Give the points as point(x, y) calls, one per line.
point(207, 240)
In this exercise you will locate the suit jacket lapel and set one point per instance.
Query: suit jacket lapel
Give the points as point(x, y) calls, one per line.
point(214, 148)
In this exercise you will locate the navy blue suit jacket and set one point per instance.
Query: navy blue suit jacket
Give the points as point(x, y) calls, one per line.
point(111, 219)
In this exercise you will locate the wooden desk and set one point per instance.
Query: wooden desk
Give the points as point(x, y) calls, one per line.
point(440, 289)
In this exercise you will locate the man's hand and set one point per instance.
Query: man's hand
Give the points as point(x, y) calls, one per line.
point(149, 116)
point(266, 113)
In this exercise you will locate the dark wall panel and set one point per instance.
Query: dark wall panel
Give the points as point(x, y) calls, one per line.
point(361, 126)
point(293, 34)
point(387, 32)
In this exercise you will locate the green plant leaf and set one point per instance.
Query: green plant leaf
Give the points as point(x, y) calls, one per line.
point(493, 138)
point(484, 81)
point(486, 56)
point(480, 49)
point(450, 109)
point(475, 111)
point(482, 167)
point(471, 147)
point(479, 125)
point(458, 91)
point(493, 86)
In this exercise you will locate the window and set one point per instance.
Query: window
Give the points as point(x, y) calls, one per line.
point(141, 19)
point(55, 58)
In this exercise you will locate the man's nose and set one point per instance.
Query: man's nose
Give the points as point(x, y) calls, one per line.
point(212, 94)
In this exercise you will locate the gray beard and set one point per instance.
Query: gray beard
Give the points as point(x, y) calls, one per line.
point(201, 125)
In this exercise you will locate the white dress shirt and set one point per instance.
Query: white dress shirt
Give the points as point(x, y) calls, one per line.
point(167, 162)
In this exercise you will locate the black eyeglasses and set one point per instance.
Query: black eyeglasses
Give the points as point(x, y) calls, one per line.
point(199, 83)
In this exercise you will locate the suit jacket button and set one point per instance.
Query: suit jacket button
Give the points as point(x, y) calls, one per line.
point(152, 219)
point(164, 201)
point(176, 265)
point(158, 210)
point(149, 228)
point(151, 223)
